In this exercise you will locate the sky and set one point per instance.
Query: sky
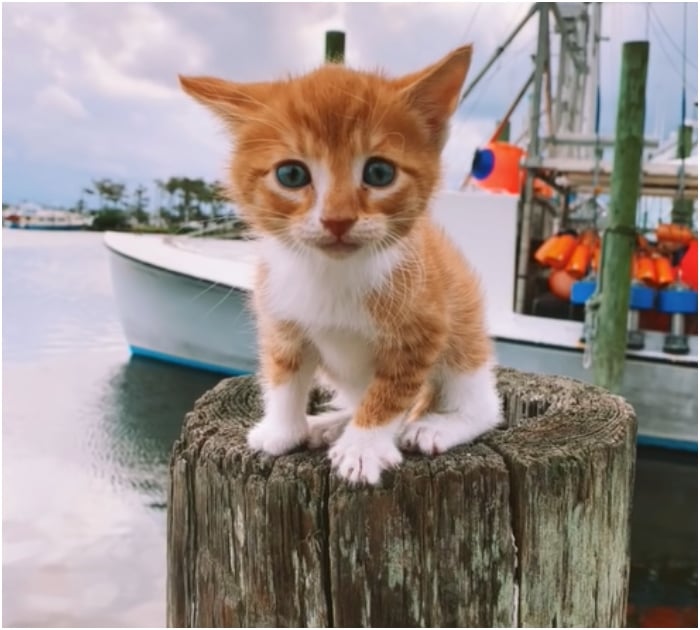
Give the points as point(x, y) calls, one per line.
point(90, 90)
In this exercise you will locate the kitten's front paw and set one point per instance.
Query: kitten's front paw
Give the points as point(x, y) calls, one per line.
point(360, 455)
point(276, 437)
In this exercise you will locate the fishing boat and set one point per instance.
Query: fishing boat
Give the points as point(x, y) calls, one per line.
point(33, 217)
point(185, 299)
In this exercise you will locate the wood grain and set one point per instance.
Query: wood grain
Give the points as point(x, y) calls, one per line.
point(527, 527)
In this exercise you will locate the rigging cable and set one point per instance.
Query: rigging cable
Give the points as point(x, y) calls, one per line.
point(681, 179)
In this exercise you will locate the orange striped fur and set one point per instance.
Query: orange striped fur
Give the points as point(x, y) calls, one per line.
point(354, 278)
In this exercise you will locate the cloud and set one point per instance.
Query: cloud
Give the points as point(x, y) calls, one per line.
point(91, 89)
point(54, 99)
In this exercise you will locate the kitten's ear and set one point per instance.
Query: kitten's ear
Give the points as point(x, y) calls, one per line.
point(435, 90)
point(230, 101)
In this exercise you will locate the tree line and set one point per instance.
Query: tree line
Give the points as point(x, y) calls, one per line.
point(179, 200)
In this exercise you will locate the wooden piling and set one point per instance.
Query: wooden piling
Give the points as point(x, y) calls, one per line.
point(335, 46)
point(610, 329)
point(527, 527)
point(683, 208)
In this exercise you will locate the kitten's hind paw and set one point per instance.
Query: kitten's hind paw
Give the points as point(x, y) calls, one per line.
point(437, 433)
point(360, 455)
point(276, 437)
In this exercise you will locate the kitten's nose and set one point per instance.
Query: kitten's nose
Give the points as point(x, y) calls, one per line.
point(338, 227)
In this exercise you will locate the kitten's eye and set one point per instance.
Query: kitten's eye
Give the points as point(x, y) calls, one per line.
point(378, 172)
point(293, 175)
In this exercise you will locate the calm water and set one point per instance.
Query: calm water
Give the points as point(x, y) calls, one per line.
point(87, 433)
point(86, 438)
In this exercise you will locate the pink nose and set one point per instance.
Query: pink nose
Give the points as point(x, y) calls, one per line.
point(338, 227)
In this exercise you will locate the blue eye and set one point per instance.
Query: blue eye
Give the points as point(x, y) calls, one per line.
point(293, 175)
point(378, 172)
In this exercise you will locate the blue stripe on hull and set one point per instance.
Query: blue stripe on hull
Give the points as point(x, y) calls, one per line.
point(190, 363)
point(668, 443)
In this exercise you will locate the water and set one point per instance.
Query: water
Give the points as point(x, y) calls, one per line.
point(86, 438)
point(87, 433)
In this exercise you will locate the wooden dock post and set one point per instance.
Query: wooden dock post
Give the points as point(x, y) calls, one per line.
point(335, 46)
point(528, 527)
point(614, 278)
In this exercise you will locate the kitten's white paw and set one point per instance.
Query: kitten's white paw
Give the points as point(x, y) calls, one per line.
point(360, 455)
point(436, 433)
point(275, 436)
point(325, 428)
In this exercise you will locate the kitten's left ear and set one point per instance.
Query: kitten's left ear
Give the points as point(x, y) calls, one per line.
point(435, 90)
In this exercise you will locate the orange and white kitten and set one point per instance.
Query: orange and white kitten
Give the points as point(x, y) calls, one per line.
point(336, 170)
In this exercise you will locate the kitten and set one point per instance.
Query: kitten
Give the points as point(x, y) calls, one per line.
point(335, 170)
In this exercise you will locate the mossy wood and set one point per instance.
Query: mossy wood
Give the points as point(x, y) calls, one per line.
point(527, 527)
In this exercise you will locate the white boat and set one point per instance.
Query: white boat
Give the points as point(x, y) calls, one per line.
point(33, 217)
point(184, 300)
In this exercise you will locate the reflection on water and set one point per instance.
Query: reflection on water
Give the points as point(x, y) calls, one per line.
point(141, 400)
point(87, 434)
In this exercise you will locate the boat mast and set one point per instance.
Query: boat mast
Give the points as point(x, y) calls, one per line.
point(576, 39)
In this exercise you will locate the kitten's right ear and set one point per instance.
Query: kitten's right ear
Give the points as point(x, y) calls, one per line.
point(230, 101)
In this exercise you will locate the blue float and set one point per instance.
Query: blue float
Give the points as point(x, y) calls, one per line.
point(581, 291)
point(681, 300)
point(641, 297)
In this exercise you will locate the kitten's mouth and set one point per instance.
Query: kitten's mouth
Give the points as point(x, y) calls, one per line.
point(339, 248)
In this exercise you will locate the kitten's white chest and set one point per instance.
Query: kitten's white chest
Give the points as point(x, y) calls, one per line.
point(319, 292)
point(328, 299)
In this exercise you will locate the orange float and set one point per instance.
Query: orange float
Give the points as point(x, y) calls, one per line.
point(560, 253)
point(673, 233)
point(560, 283)
point(497, 168)
point(579, 261)
point(544, 250)
point(644, 269)
point(664, 272)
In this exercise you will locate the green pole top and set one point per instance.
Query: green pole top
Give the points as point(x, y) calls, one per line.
point(335, 46)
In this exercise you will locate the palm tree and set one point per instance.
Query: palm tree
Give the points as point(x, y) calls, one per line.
point(218, 197)
point(140, 201)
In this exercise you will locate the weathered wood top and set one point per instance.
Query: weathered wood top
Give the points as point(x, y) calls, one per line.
point(528, 526)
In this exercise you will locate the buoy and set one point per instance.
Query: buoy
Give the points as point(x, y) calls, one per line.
point(544, 250)
point(644, 269)
point(496, 167)
point(664, 272)
point(673, 233)
point(561, 251)
point(577, 266)
point(560, 283)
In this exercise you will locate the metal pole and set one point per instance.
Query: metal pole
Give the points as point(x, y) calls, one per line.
point(499, 52)
point(567, 47)
point(335, 46)
point(533, 153)
point(609, 329)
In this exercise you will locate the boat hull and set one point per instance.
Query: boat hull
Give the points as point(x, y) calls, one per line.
point(663, 394)
point(184, 320)
point(180, 319)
